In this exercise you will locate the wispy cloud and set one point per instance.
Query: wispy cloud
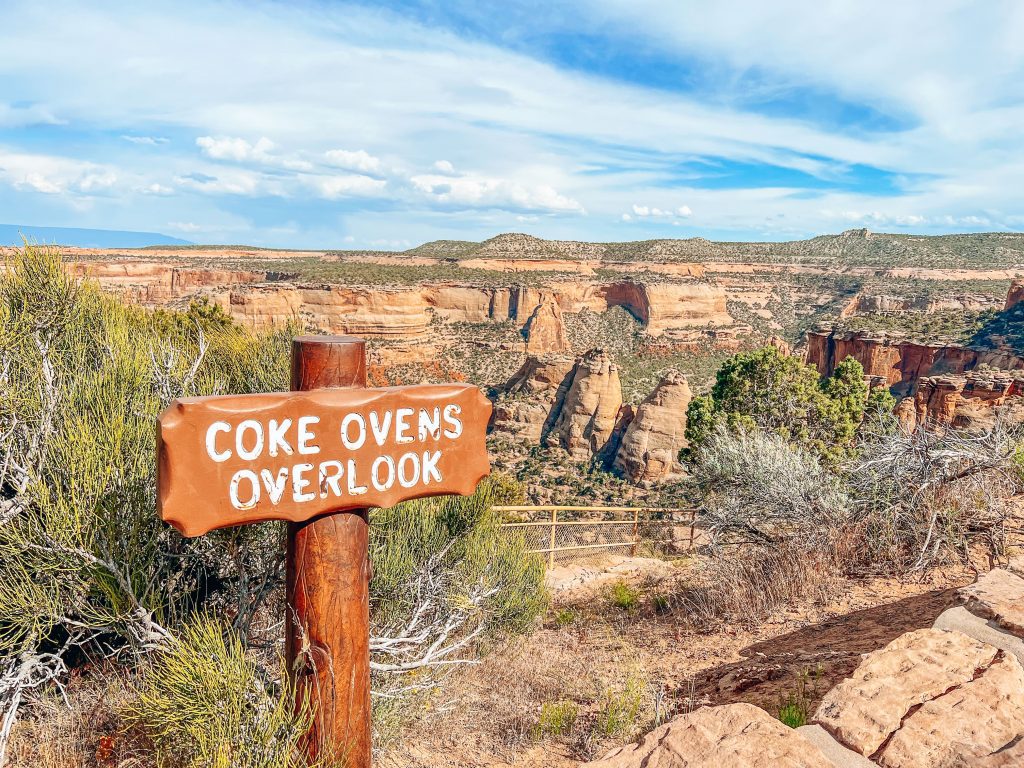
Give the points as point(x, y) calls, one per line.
point(768, 120)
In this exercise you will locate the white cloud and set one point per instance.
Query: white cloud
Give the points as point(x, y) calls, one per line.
point(184, 226)
point(481, 192)
point(156, 189)
point(444, 166)
point(647, 211)
point(231, 148)
point(358, 160)
point(54, 175)
point(334, 187)
point(12, 116)
point(149, 141)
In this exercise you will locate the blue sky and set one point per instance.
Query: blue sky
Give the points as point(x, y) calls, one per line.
point(348, 124)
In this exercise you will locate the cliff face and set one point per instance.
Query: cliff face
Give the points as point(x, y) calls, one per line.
point(156, 283)
point(900, 363)
point(532, 397)
point(545, 330)
point(650, 447)
point(969, 401)
point(586, 421)
point(1015, 295)
point(267, 298)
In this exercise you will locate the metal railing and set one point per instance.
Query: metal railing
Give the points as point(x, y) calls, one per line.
point(566, 531)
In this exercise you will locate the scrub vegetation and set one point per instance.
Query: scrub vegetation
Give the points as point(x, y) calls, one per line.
point(93, 584)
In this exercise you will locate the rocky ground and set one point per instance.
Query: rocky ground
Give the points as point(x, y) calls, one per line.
point(947, 695)
point(593, 654)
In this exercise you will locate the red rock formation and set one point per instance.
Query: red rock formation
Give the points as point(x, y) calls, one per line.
point(967, 401)
point(901, 363)
point(651, 443)
point(586, 421)
point(545, 330)
point(1015, 295)
point(531, 396)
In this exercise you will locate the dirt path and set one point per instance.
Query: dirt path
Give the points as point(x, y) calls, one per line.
point(491, 715)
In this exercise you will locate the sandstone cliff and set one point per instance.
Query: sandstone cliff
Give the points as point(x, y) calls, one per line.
point(545, 330)
point(1015, 295)
point(587, 417)
point(899, 362)
point(528, 400)
point(969, 401)
point(649, 449)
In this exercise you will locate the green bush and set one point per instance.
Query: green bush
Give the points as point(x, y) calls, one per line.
point(620, 710)
point(622, 595)
point(780, 394)
point(565, 617)
point(203, 704)
point(556, 718)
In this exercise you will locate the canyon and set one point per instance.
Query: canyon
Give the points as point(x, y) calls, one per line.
point(544, 310)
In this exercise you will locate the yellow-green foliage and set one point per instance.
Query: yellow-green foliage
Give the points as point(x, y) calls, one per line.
point(623, 596)
point(620, 711)
point(84, 377)
point(203, 704)
point(472, 553)
point(556, 718)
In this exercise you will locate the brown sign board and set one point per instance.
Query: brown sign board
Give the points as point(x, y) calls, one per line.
point(232, 459)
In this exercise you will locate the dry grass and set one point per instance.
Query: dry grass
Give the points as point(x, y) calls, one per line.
point(751, 584)
point(83, 732)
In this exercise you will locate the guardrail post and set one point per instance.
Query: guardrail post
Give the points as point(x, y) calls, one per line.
point(551, 545)
point(636, 532)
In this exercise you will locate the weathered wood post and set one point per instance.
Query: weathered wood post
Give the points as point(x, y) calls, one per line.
point(327, 641)
point(318, 457)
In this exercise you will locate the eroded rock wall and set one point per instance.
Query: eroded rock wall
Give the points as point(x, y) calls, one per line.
point(649, 449)
point(588, 415)
point(900, 363)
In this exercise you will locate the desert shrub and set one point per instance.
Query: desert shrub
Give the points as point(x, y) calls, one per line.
point(780, 394)
point(747, 587)
point(926, 496)
point(623, 596)
point(756, 487)
point(565, 617)
point(447, 579)
point(795, 708)
point(556, 718)
point(83, 556)
point(620, 709)
point(204, 704)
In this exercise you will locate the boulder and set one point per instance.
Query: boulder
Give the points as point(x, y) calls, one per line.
point(735, 735)
point(650, 447)
point(999, 596)
point(527, 400)
point(585, 422)
point(960, 619)
point(863, 711)
point(979, 716)
point(545, 330)
point(1010, 756)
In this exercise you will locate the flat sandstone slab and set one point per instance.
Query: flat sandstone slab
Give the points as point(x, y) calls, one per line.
point(979, 717)
point(735, 735)
point(865, 709)
point(960, 619)
point(999, 596)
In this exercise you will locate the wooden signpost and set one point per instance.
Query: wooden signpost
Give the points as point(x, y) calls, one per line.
point(319, 457)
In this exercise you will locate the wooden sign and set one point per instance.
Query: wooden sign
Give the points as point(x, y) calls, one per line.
point(319, 456)
point(235, 459)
